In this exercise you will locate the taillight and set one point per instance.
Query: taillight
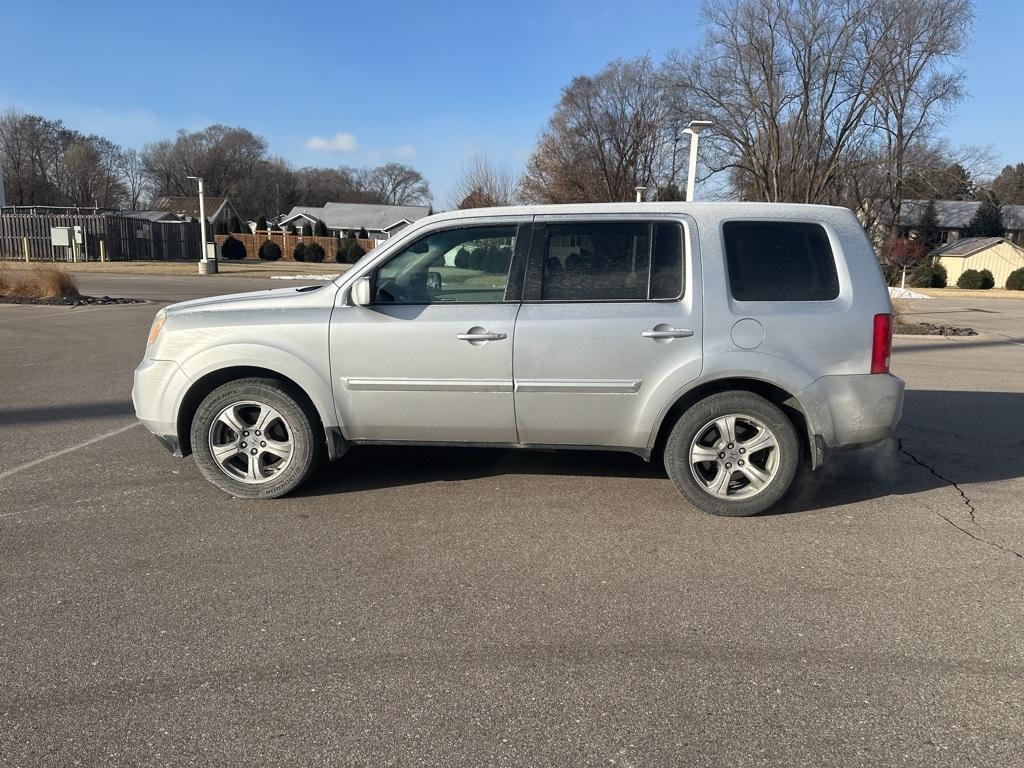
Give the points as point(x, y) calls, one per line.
point(881, 344)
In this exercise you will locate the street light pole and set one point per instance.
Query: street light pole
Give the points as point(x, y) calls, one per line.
point(694, 129)
point(206, 267)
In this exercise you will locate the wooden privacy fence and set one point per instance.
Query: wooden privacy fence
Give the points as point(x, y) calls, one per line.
point(105, 236)
point(288, 242)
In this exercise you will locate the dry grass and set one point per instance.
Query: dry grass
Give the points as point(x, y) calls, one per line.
point(900, 308)
point(46, 282)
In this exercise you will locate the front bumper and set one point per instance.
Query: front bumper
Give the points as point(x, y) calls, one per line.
point(851, 411)
point(158, 388)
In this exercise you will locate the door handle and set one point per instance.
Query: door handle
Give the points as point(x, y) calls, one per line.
point(481, 336)
point(667, 333)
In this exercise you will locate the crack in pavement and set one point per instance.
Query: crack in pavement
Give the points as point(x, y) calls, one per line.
point(967, 502)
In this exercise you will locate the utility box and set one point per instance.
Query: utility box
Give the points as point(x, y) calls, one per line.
point(61, 236)
point(79, 235)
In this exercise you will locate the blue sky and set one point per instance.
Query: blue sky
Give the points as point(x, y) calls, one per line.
point(425, 83)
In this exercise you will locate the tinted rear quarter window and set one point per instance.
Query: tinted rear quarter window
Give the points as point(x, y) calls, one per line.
point(779, 261)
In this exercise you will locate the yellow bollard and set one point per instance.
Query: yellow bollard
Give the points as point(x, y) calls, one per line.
point(24, 247)
point(103, 250)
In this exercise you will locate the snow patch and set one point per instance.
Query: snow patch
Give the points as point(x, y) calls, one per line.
point(325, 278)
point(904, 293)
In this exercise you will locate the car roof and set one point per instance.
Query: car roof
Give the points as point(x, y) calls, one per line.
point(696, 208)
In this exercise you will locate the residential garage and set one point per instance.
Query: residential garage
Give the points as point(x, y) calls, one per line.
point(997, 255)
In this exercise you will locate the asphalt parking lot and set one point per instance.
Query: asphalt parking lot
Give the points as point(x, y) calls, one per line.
point(472, 607)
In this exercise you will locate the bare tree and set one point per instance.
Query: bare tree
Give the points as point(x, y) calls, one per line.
point(483, 185)
point(397, 184)
point(789, 85)
point(920, 41)
point(825, 101)
point(609, 134)
point(133, 176)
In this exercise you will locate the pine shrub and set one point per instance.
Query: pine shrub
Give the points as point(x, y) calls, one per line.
point(270, 251)
point(1015, 280)
point(299, 253)
point(987, 280)
point(233, 249)
point(970, 279)
point(314, 253)
point(355, 252)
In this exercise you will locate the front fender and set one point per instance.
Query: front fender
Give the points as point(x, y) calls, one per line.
point(284, 362)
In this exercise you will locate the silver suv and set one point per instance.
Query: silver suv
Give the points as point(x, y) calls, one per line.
point(732, 339)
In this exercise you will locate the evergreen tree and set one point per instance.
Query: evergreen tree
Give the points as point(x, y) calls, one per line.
point(261, 223)
point(928, 230)
point(236, 225)
point(320, 229)
point(987, 220)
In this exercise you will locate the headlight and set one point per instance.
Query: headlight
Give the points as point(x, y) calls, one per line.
point(158, 324)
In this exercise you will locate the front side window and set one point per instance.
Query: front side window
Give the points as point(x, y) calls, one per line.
point(612, 261)
point(464, 265)
point(779, 261)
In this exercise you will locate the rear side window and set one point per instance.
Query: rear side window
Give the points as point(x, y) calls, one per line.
point(612, 261)
point(779, 261)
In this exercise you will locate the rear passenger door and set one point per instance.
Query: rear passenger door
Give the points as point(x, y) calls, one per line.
point(609, 329)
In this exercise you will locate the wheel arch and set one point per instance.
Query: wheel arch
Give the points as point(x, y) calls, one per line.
point(207, 383)
point(785, 400)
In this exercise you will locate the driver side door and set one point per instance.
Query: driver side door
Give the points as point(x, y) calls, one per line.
point(430, 359)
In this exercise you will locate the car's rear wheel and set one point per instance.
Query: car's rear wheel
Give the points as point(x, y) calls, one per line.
point(733, 454)
point(255, 439)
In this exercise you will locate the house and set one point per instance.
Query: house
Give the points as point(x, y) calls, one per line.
point(954, 216)
point(996, 254)
point(379, 221)
point(219, 210)
point(165, 217)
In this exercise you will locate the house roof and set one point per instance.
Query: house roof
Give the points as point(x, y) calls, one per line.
point(967, 246)
point(956, 214)
point(377, 218)
point(189, 206)
point(152, 215)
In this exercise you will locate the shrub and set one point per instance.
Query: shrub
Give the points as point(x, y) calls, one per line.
point(362, 234)
point(233, 249)
point(1015, 280)
point(477, 258)
point(987, 280)
point(355, 252)
point(315, 253)
point(340, 249)
point(261, 223)
point(270, 251)
point(462, 259)
point(891, 273)
point(927, 275)
point(236, 226)
point(299, 252)
point(290, 229)
point(320, 229)
point(970, 279)
point(39, 283)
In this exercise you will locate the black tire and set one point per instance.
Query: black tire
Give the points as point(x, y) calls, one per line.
point(695, 422)
point(298, 423)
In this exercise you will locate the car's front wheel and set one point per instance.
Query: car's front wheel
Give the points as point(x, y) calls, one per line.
point(733, 454)
point(254, 439)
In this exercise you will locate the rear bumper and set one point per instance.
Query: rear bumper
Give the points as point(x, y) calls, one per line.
point(851, 411)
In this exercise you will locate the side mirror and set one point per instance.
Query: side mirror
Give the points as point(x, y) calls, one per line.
point(360, 293)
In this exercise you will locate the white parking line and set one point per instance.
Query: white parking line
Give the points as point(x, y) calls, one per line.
point(68, 312)
point(35, 462)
